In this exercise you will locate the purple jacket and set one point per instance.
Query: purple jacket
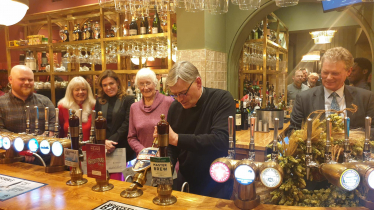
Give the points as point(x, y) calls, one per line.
point(143, 119)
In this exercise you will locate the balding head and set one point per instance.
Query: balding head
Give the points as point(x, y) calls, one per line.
point(22, 80)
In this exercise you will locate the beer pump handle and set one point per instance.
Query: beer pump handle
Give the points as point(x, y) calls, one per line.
point(328, 158)
point(92, 131)
point(347, 149)
point(252, 152)
point(36, 120)
point(366, 152)
point(231, 151)
point(56, 131)
point(27, 119)
point(46, 118)
point(274, 155)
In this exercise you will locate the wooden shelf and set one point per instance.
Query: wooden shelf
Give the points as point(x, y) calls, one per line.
point(261, 72)
point(71, 16)
point(38, 47)
point(146, 36)
point(269, 44)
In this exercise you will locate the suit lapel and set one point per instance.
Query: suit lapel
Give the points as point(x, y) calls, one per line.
point(104, 107)
point(116, 110)
point(349, 98)
point(319, 99)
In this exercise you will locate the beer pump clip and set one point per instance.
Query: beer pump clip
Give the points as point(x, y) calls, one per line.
point(339, 174)
point(247, 171)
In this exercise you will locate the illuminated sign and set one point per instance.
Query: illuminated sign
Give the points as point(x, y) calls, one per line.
point(45, 148)
point(350, 179)
point(219, 172)
point(19, 144)
point(270, 177)
point(33, 145)
point(1, 141)
point(6, 143)
point(371, 179)
point(245, 174)
point(57, 149)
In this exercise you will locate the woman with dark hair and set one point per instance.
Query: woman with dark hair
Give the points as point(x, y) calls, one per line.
point(115, 105)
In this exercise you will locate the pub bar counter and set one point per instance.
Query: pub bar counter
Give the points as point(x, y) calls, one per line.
point(57, 195)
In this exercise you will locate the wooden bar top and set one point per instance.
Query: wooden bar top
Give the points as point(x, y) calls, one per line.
point(57, 195)
point(262, 139)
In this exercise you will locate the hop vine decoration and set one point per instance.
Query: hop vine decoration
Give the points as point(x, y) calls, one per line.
point(292, 192)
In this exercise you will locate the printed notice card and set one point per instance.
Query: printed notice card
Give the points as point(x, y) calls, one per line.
point(96, 165)
point(161, 170)
point(11, 186)
point(114, 205)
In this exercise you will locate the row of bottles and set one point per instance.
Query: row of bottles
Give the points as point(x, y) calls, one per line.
point(30, 61)
point(243, 112)
point(89, 31)
point(132, 28)
point(258, 32)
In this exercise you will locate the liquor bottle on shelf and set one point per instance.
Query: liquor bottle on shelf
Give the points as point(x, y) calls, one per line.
point(253, 103)
point(238, 117)
point(112, 33)
point(97, 31)
point(272, 106)
point(244, 116)
point(161, 87)
point(44, 62)
point(143, 28)
point(155, 24)
point(133, 27)
point(84, 31)
point(125, 27)
point(89, 32)
point(78, 35)
point(174, 29)
point(257, 107)
point(32, 62)
point(107, 33)
point(260, 31)
point(66, 34)
point(129, 90)
point(268, 104)
point(74, 33)
point(146, 25)
point(149, 25)
point(22, 59)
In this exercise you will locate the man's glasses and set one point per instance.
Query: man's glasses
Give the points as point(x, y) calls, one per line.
point(175, 96)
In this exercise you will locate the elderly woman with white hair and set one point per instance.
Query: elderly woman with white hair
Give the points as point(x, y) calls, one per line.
point(145, 114)
point(78, 96)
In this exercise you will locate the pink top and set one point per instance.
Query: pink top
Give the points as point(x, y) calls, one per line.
point(143, 119)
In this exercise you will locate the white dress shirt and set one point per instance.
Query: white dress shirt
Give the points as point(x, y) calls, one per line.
point(340, 99)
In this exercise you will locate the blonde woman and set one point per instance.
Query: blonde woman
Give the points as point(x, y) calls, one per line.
point(78, 96)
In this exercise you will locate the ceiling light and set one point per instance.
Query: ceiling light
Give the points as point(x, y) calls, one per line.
point(12, 11)
point(311, 57)
point(322, 37)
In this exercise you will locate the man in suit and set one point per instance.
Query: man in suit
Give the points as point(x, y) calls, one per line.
point(333, 94)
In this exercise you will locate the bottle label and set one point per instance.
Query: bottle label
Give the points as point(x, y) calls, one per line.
point(125, 32)
point(88, 35)
point(143, 30)
point(154, 30)
point(133, 32)
point(65, 37)
point(238, 119)
point(84, 35)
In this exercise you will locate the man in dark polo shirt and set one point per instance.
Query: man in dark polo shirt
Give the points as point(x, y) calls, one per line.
point(198, 131)
point(13, 104)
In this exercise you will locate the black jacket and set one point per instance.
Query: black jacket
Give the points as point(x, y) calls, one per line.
point(120, 122)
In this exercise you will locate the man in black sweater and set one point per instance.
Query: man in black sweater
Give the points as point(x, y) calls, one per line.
point(198, 131)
